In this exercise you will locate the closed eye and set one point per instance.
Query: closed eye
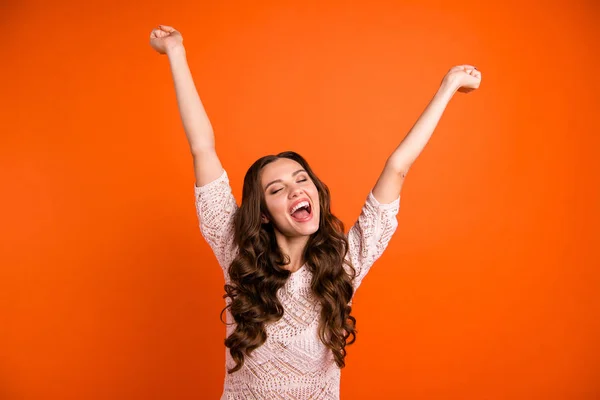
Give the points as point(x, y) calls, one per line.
point(280, 189)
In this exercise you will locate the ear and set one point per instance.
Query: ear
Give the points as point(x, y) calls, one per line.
point(264, 219)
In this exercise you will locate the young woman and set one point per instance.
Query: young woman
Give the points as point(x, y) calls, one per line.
point(290, 271)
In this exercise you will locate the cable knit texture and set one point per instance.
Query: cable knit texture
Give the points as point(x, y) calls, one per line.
point(293, 363)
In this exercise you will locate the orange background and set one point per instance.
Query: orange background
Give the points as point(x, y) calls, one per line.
point(488, 289)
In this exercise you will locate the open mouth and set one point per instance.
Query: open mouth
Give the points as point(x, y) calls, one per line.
point(302, 211)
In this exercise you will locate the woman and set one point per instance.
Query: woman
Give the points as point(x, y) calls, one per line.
point(290, 270)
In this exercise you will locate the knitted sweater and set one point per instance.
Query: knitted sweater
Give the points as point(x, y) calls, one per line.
point(293, 363)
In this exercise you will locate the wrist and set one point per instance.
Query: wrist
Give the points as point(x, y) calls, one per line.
point(176, 51)
point(448, 87)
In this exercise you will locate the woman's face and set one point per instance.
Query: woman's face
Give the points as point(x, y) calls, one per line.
point(291, 197)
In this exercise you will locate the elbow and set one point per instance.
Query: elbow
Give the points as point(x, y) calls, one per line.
point(203, 150)
point(399, 168)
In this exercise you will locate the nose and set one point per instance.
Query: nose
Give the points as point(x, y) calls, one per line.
point(295, 192)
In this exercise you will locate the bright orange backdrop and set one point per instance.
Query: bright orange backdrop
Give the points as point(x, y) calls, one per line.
point(489, 288)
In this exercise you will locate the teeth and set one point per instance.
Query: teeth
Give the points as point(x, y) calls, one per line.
point(299, 205)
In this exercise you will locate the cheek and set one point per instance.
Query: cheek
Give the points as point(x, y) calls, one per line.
point(277, 207)
point(314, 194)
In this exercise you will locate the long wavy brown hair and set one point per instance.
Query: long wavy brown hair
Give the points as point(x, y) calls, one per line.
point(257, 271)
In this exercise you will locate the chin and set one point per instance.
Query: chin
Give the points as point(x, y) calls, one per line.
point(305, 230)
point(311, 231)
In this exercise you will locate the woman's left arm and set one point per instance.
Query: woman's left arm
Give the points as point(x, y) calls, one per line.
point(462, 78)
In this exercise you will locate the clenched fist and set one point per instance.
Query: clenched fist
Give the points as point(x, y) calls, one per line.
point(465, 77)
point(165, 38)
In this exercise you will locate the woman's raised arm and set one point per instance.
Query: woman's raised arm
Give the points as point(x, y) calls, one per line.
point(463, 78)
point(199, 132)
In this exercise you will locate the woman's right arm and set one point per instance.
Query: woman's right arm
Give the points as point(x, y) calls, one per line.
point(215, 204)
point(199, 132)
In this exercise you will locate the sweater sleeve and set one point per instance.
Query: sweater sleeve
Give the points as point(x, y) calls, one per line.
point(215, 208)
point(370, 235)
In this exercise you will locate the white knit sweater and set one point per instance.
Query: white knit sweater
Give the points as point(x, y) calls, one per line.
point(293, 363)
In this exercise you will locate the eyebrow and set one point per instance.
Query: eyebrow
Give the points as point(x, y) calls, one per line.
point(279, 180)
